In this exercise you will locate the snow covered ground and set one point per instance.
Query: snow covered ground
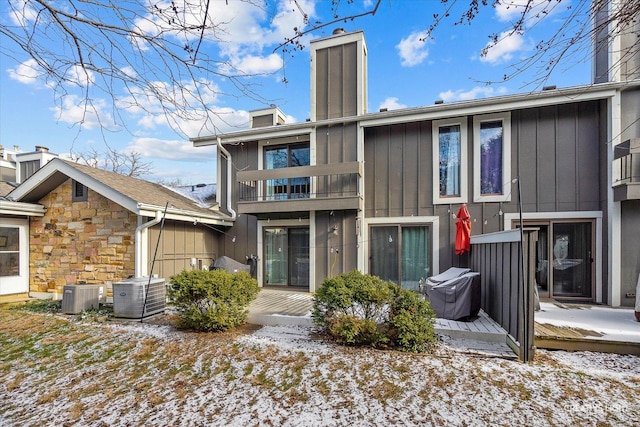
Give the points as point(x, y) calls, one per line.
point(615, 324)
point(57, 371)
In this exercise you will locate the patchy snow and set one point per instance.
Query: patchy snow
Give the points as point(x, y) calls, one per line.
point(615, 324)
point(58, 372)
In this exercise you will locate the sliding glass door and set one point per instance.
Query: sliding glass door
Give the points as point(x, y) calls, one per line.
point(564, 258)
point(400, 253)
point(286, 260)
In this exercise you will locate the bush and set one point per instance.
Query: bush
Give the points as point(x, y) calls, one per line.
point(358, 309)
point(212, 300)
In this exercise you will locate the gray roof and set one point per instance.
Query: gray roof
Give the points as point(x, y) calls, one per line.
point(131, 193)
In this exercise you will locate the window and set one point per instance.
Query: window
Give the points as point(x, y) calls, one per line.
point(450, 153)
point(284, 157)
point(79, 192)
point(492, 158)
point(400, 253)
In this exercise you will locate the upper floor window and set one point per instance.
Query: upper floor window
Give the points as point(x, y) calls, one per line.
point(450, 150)
point(79, 192)
point(286, 156)
point(492, 157)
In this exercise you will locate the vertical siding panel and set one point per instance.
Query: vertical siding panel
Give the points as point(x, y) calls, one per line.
point(588, 161)
point(411, 185)
point(372, 137)
point(547, 159)
point(322, 90)
point(381, 167)
point(394, 172)
point(425, 170)
point(350, 84)
point(567, 155)
point(528, 158)
point(335, 82)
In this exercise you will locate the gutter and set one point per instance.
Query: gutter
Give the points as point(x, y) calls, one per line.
point(233, 213)
point(138, 250)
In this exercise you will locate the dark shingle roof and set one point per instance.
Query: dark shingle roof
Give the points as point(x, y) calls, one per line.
point(141, 191)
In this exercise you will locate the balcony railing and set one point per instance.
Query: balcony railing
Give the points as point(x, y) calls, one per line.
point(626, 185)
point(304, 188)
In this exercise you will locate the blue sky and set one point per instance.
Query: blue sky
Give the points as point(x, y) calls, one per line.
point(403, 72)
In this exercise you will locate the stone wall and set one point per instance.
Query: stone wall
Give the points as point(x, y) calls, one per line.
point(75, 242)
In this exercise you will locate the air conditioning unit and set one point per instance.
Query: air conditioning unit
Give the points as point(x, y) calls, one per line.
point(129, 297)
point(78, 298)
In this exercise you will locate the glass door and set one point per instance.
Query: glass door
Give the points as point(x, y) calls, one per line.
point(564, 258)
point(400, 254)
point(572, 259)
point(286, 256)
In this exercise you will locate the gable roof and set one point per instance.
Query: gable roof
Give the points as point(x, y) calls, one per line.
point(136, 195)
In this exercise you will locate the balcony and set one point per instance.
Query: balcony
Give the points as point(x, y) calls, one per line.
point(626, 186)
point(333, 186)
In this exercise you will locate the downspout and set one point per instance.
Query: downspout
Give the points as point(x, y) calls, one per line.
point(138, 249)
point(229, 165)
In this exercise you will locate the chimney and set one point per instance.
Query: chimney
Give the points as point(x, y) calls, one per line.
point(42, 149)
point(338, 75)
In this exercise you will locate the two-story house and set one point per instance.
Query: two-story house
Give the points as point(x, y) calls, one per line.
point(348, 189)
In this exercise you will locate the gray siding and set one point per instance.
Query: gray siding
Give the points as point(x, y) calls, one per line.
point(179, 242)
point(629, 250)
point(558, 152)
point(335, 254)
point(262, 121)
point(336, 81)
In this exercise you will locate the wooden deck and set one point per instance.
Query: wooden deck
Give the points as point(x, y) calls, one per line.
point(574, 327)
point(283, 307)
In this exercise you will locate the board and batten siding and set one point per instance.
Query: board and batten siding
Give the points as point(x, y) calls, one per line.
point(336, 81)
point(559, 152)
point(179, 243)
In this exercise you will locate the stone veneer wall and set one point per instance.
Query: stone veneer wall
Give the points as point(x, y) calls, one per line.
point(75, 242)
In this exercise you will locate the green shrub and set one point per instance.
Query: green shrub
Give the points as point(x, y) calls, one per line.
point(212, 300)
point(359, 309)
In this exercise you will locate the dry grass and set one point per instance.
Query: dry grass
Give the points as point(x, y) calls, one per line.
point(57, 371)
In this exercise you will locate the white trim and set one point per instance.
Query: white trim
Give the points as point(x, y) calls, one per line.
point(432, 221)
point(614, 209)
point(464, 160)
point(21, 208)
point(509, 218)
point(262, 224)
point(337, 40)
point(497, 237)
point(505, 118)
point(20, 283)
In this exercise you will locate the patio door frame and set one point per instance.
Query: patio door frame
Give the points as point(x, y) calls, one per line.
point(531, 219)
point(285, 223)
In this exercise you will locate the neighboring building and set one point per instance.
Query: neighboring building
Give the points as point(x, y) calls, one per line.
point(87, 225)
point(379, 191)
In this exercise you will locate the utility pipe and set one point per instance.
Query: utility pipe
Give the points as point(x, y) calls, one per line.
point(138, 250)
point(229, 166)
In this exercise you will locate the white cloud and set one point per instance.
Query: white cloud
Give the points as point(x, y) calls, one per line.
point(75, 110)
point(22, 13)
point(251, 64)
point(476, 92)
point(80, 76)
point(512, 10)
point(412, 50)
point(180, 150)
point(391, 103)
point(28, 72)
point(504, 50)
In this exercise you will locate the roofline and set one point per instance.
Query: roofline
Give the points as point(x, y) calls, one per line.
point(432, 112)
point(179, 214)
point(58, 165)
